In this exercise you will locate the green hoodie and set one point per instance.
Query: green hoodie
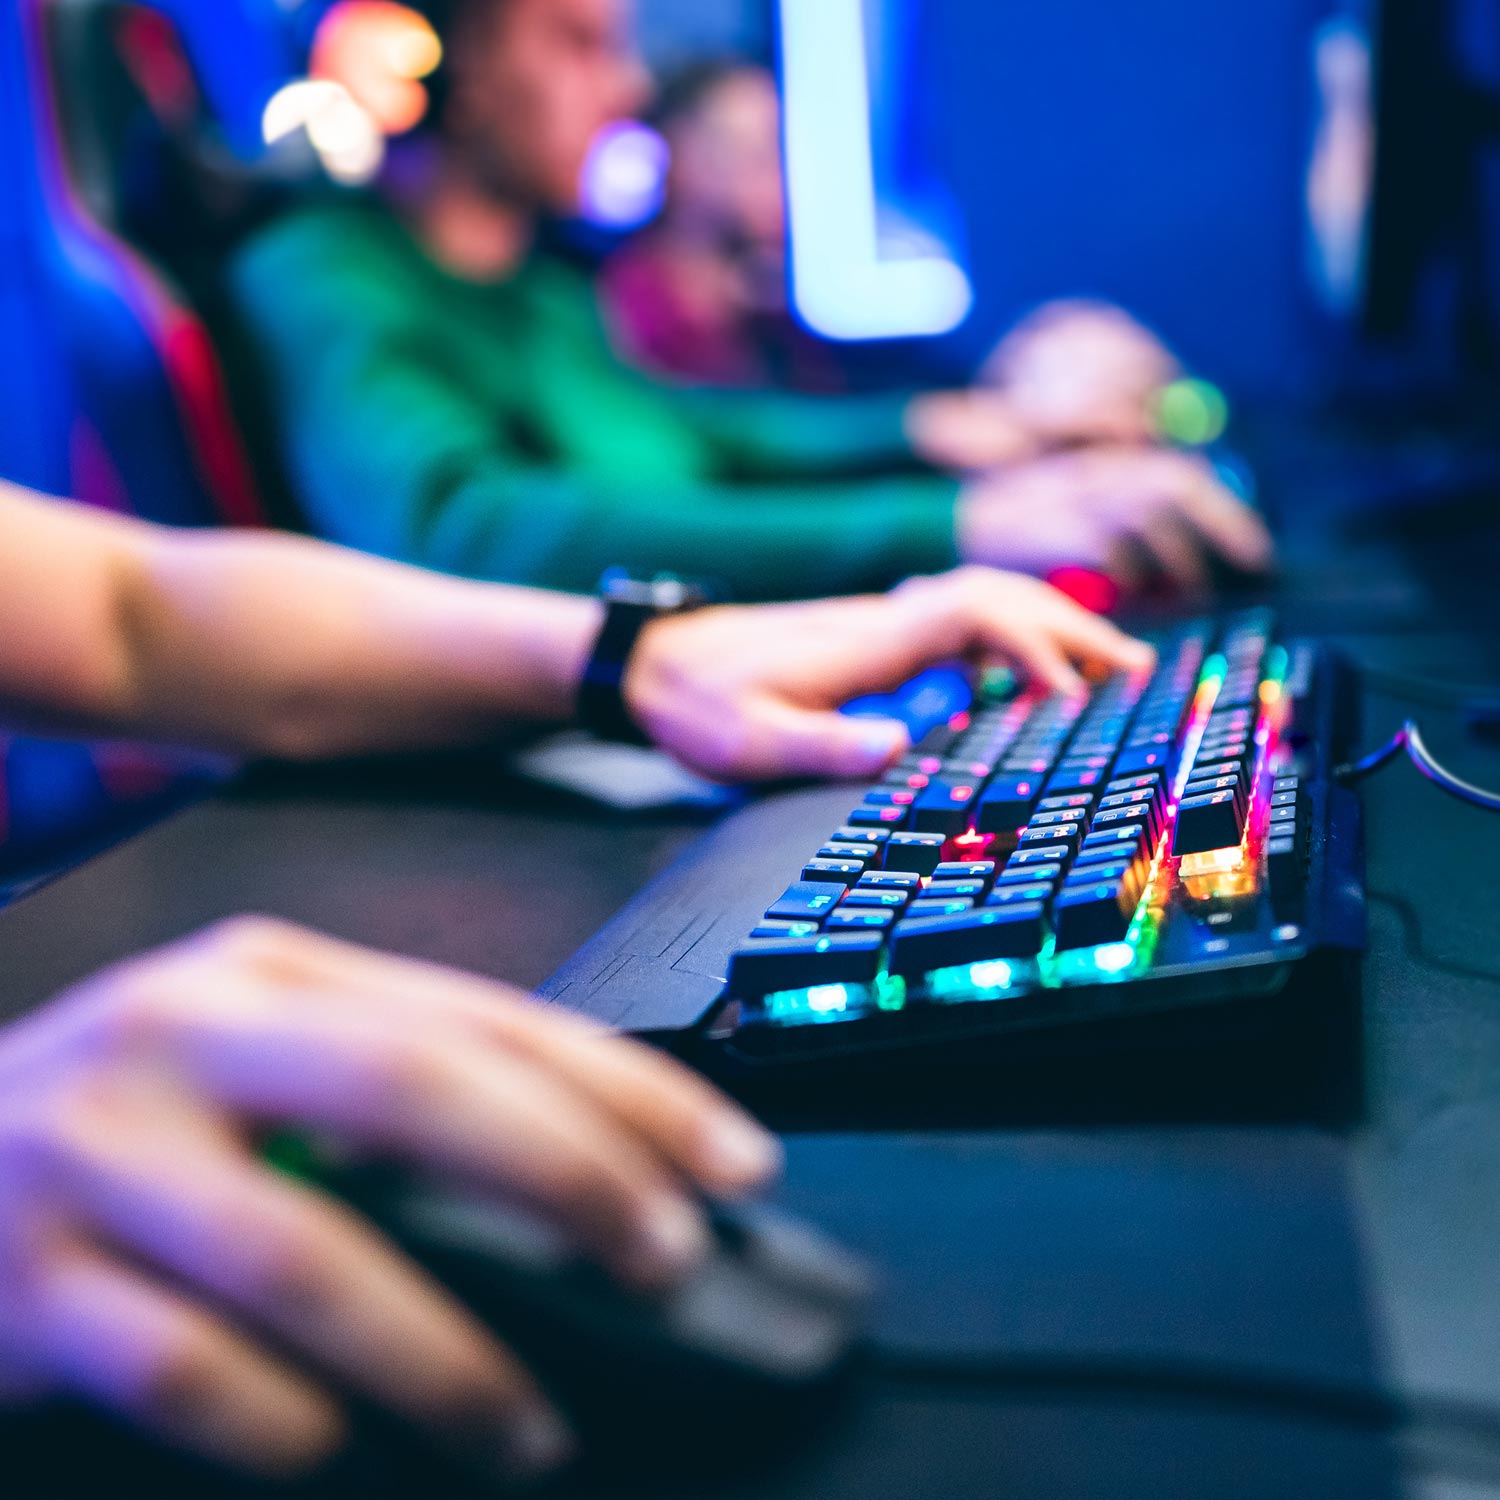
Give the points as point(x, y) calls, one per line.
point(491, 431)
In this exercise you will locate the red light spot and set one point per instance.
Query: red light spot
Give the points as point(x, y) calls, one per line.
point(903, 799)
point(930, 764)
point(959, 722)
point(891, 815)
point(1095, 591)
point(916, 781)
point(962, 794)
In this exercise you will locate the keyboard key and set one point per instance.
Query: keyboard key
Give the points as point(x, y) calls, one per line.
point(1206, 788)
point(1028, 872)
point(919, 947)
point(921, 853)
point(1116, 851)
point(1102, 870)
point(867, 900)
point(1048, 854)
point(1147, 758)
point(834, 871)
point(1205, 824)
point(846, 835)
point(944, 807)
point(804, 900)
point(1006, 803)
point(889, 880)
point(966, 869)
point(763, 968)
point(1056, 819)
point(1087, 915)
point(858, 919)
point(867, 853)
point(786, 929)
point(1119, 820)
point(1146, 781)
point(1008, 895)
point(1286, 874)
point(887, 818)
point(929, 908)
point(1079, 778)
point(887, 797)
point(1065, 835)
point(1074, 802)
point(952, 890)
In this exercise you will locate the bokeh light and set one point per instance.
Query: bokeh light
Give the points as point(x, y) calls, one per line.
point(625, 179)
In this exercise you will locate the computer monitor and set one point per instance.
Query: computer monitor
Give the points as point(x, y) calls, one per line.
point(1416, 116)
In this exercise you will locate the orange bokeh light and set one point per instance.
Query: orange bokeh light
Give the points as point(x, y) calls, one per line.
point(379, 51)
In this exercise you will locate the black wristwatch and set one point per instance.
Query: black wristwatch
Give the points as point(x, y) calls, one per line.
point(630, 605)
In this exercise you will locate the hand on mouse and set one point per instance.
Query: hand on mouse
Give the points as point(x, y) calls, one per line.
point(1127, 512)
point(744, 694)
point(151, 1263)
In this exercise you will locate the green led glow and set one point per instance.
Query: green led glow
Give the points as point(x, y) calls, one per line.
point(992, 976)
point(823, 1002)
point(1114, 958)
point(1193, 413)
point(890, 992)
point(985, 981)
point(823, 998)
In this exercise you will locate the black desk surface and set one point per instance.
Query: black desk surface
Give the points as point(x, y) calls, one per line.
point(1368, 1252)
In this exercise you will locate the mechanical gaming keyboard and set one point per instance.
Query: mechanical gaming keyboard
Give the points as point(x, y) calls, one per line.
point(1174, 842)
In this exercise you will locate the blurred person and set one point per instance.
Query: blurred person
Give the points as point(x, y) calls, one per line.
point(151, 1261)
point(701, 294)
point(446, 394)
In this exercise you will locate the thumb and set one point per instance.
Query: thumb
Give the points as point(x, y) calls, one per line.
point(805, 742)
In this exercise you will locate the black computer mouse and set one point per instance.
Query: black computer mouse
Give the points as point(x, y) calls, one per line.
point(745, 1360)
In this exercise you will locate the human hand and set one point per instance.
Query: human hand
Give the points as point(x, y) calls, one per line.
point(1127, 512)
point(1077, 372)
point(968, 432)
point(744, 694)
point(152, 1264)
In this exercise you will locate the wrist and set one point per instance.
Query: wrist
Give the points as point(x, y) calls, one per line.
point(615, 699)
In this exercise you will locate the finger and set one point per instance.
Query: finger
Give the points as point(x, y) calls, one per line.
point(1176, 550)
point(288, 1054)
point(784, 739)
point(310, 1272)
point(1090, 638)
point(672, 1109)
point(1231, 527)
point(111, 1336)
point(1033, 649)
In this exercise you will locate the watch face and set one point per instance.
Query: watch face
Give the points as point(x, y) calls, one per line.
point(663, 594)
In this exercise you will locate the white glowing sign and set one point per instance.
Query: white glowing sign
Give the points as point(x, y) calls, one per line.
point(843, 288)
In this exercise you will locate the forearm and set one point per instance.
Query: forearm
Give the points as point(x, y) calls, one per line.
point(266, 644)
point(281, 646)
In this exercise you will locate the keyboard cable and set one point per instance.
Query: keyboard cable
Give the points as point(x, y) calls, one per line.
point(1408, 739)
point(1444, 1435)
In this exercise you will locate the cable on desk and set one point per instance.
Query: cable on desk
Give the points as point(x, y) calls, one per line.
point(1441, 1434)
point(1409, 739)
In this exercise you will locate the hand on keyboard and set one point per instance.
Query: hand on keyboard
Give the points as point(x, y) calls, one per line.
point(753, 694)
point(1127, 512)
